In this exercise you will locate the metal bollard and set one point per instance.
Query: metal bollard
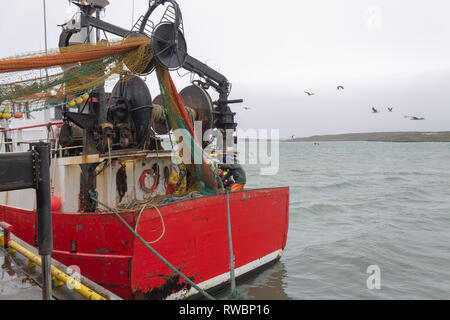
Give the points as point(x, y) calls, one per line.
point(7, 229)
point(23, 170)
point(44, 216)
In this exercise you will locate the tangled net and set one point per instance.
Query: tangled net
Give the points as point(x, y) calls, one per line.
point(203, 177)
point(66, 73)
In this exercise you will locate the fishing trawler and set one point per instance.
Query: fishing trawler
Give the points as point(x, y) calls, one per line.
point(108, 155)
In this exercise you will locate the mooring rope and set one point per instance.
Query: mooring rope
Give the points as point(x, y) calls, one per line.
point(230, 246)
point(235, 295)
point(167, 263)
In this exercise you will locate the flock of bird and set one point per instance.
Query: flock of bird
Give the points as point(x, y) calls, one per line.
point(312, 93)
point(374, 110)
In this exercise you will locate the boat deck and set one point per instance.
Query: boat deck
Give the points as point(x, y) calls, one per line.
point(14, 283)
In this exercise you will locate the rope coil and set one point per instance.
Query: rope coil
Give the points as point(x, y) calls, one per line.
point(162, 222)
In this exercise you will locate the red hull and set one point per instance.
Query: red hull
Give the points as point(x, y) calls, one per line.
point(195, 241)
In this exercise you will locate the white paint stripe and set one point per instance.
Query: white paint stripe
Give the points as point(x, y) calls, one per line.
point(213, 282)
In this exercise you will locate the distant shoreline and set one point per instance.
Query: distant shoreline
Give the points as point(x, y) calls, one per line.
point(441, 136)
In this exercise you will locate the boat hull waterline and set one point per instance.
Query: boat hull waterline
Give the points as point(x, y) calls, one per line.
point(193, 237)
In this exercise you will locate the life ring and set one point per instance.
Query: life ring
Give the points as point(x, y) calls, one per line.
point(154, 172)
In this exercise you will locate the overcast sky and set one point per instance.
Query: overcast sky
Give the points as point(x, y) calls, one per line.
point(387, 53)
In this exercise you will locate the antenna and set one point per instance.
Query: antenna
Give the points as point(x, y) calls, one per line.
point(45, 27)
point(132, 16)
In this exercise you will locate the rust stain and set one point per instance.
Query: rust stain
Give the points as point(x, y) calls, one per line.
point(104, 250)
point(172, 283)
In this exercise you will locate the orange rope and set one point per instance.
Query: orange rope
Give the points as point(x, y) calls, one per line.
point(68, 58)
point(207, 176)
point(181, 107)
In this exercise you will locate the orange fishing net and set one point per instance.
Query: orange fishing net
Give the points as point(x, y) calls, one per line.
point(70, 71)
point(74, 70)
point(66, 58)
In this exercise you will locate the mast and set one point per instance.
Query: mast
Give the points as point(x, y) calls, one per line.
point(47, 111)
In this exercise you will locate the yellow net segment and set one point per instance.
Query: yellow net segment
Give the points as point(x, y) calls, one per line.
point(71, 71)
point(76, 70)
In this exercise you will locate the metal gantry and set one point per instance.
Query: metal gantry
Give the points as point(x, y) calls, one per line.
point(25, 170)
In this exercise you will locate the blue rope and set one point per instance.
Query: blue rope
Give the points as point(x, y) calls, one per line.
point(230, 246)
point(235, 295)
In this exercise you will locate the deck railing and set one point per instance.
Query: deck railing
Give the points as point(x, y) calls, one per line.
point(12, 139)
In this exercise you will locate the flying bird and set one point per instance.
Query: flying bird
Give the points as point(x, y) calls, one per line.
point(309, 93)
point(414, 118)
point(247, 108)
point(340, 87)
point(375, 110)
point(390, 109)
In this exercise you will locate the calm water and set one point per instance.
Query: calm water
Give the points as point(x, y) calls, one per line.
point(353, 205)
point(357, 204)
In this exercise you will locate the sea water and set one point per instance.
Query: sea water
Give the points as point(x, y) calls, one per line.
point(367, 220)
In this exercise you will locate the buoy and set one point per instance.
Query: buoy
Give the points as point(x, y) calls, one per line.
point(80, 100)
point(72, 104)
point(85, 97)
point(55, 203)
point(7, 115)
point(18, 115)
